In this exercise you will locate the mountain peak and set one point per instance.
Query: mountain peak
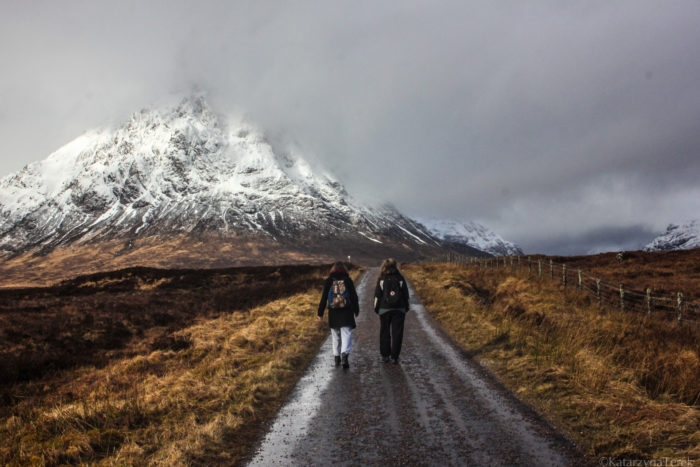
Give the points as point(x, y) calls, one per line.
point(677, 237)
point(181, 170)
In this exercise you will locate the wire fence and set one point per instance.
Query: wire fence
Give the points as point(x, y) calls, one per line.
point(618, 296)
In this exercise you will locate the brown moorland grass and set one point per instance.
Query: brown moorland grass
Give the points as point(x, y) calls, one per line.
point(665, 272)
point(45, 268)
point(92, 319)
point(619, 384)
point(197, 396)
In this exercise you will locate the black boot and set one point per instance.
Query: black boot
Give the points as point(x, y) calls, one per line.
point(337, 360)
point(346, 364)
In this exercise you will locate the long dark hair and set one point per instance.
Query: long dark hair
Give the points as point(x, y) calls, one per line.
point(388, 267)
point(338, 266)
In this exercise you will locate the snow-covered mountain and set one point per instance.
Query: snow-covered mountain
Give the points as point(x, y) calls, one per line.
point(677, 237)
point(471, 234)
point(184, 170)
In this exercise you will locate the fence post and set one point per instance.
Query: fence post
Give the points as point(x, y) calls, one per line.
point(648, 301)
point(580, 280)
point(518, 261)
point(680, 306)
point(563, 268)
point(551, 269)
point(597, 291)
point(622, 297)
point(511, 262)
point(529, 265)
point(539, 268)
point(505, 258)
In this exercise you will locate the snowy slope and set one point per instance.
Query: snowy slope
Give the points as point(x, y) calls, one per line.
point(183, 170)
point(471, 234)
point(677, 237)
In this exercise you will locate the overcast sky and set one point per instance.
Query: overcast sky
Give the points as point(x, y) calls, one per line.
point(567, 127)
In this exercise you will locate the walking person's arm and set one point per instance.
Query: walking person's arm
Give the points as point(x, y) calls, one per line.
point(324, 298)
point(353, 299)
point(377, 295)
point(404, 292)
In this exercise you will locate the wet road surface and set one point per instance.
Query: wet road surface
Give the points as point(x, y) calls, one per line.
point(434, 408)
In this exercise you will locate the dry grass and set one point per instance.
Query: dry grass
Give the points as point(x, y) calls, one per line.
point(666, 273)
point(200, 405)
point(33, 269)
point(92, 319)
point(620, 385)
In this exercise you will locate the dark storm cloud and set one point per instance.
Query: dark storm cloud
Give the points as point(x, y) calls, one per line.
point(605, 239)
point(540, 119)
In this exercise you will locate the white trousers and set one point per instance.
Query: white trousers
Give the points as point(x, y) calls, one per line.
point(341, 340)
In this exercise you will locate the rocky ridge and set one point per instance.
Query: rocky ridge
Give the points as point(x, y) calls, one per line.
point(474, 235)
point(677, 237)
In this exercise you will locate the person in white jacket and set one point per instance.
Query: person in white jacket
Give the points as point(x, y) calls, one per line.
point(340, 296)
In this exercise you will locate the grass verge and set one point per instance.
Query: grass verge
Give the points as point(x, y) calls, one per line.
point(618, 384)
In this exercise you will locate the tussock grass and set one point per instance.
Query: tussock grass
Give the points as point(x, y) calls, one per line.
point(619, 384)
point(201, 405)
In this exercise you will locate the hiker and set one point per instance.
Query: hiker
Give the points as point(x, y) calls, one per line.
point(391, 304)
point(340, 296)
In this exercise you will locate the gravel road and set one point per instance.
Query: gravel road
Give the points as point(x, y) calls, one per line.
point(435, 407)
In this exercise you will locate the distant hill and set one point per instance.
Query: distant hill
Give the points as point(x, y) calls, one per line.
point(472, 235)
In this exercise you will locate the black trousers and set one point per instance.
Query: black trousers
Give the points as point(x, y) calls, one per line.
point(391, 333)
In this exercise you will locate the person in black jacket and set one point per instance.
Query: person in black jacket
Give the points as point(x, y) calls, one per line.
point(341, 298)
point(391, 304)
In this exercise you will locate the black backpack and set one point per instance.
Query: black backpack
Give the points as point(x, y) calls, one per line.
point(338, 294)
point(392, 291)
